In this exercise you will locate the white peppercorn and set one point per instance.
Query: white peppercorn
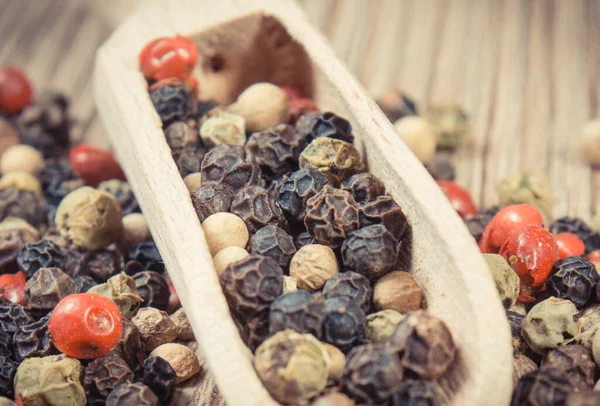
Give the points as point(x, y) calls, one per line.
point(228, 256)
point(224, 230)
point(419, 136)
point(312, 265)
point(549, 324)
point(506, 279)
point(382, 324)
point(135, 229)
point(183, 360)
point(155, 327)
point(193, 181)
point(220, 127)
point(289, 284)
point(398, 291)
point(337, 359)
point(21, 181)
point(21, 158)
point(262, 105)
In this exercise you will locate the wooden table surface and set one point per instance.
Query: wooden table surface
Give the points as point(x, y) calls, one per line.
point(527, 72)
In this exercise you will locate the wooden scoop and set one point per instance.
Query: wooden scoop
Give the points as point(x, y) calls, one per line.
point(247, 41)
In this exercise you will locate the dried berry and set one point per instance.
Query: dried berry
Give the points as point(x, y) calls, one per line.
point(395, 105)
point(384, 210)
point(23, 204)
point(451, 124)
point(333, 398)
point(417, 392)
point(477, 223)
point(173, 102)
point(258, 208)
point(129, 347)
point(316, 125)
point(159, 376)
point(122, 291)
point(49, 114)
point(122, 191)
point(276, 150)
point(252, 284)
point(336, 159)
point(274, 185)
point(33, 340)
point(263, 105)
point(42, 254)
point(418, 135)
point(425, 345)
point(352, 285)
point(13, 315)
point(530, 188)
point(344, 323)
point(102, 375)
point(382, 324)
point(8, 369)
point(296, 190)
point(297, 311)
point(546, 386)
point(83, 283)
point(569, 245)
point(398, 291)
point(15, 90)
point(303, 239)
point(459, 198)
point(147, 254)
point(181, 358)
point(153, 289)
point(372, 373)
point(574, 279)
point(58, 180)
point(229, 166)
point(515, 320)
point(273, 242)
point(313, 265)
point(585, 398)
point(549, 324)
point(5, 344)
point(210, 199)
point(331, 215)
point(224, 230)
point(180, 135)
point(132, 394)
point(218, 127)
point(155, 327)
point(364, 187)
point(47, 287)
point(21, 158)
point(576, 226)
point(576, 361)
point(254, 331)
point(522, 365)
point(370, 251)
point(300, 106)
point(441, 169)
point(14, 235)
point(94, 164)
point(189, 161)
point(103, 263)
point(506, 280)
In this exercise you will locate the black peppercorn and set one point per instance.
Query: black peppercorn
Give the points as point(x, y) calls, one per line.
point(13, 315)
point(477, 223)
point(315, 125)
point(210, 199)
point(258, 208)
point(274, 185)
point(33, 340)
point(303, 239)
point(256, 331)
point(41, 254)
point(42, 141)
point(12, 241)
point(122, 191)
point(6, 349)
point(515, 320)
point(153, 289)
point(441, 169)
point(298, 311)
point(344, 322)
point(229, 166)
point(129, 347)
point(395, 105)
point(352, 285)
point(364, 187)
point(103, 263)
point(372, 373)
point(416, 392)
point(294, 192)
point(273, 242)
point(49, 115)
point(252, 284)
point(173, 102)
point(132, 394)
point(46, 288)
point(572, 278)
point(83, 283)
point(276, 150)
point(8, 370)
point(181, 136)
point(384, 210)
point(24, 204)
point(546, 386)
point(58, 180)
point(576, 361)
point(189, 160)
point(159, 376)
point(590, 239)
point(102, 375)
point(370, 251)
point(147, 254)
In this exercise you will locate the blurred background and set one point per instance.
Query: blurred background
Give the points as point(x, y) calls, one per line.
point(526, 72)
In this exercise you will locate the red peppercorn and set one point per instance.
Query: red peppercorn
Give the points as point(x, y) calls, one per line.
point(94, 164)
point(12, 287)
point(569, 245)
point(174, 302)
point(594, 257)
point(15, 90)
point(300, 106)
point(531, 251)
point(85, 325)
point(459, 198)
point(505, 222)
point(168, 57)
point(291, 92)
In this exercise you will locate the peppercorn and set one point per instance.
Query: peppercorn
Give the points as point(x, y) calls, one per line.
point(350, 284)
point(337, 360)
point(135, 229)
point(336, 159)
point(21, 158)
point(276, 150)
point(522, 365)
point(255, 331)
point(193, 181)
point(327, 125)
point(52, 380)
point(173, 102)
point(549, 324)
point(8, 369)
point(584, 398)
point(217, 126)
point(596, 348)
point(576, 226)
point(397, 291)
point(372, 373)
point(103, 263)
point(364, 187)
point(122, 290)
point(477, 223)
point(210, 199)
point(180, 135)
point(546, 386)
point(15, 233)
point(46, 288)
point(33, 340)
point(8, 134)
point(20, 181)
point(576, 361)
point(48, 115)
point(292, 366)
point(224, 230)
point(147, 254)
point(303, 239)
point(262, 105)
point(94, 164)
point(297, 311)
point(530, 188)
point(312, 265)
point(515, 320)
point(396, 104)
point(129, 347)
point(168, 57)
point(418, 135)
point(416, 392)
point(300, 106)
point(289, 284)
point(6, 344)
point(333, 399)
point(159, 376)
point(371, 251)
point(273, 242)
point(450, 122)
point(132, 394)
point(102, 375)
point(258, 208)
point(228, 256)
point(296, 190)
point(83, 283)
point(183, 360)
point(344, 322)
point(25, 204)
point(13, 315)
point(153, 289)
point(587, 322)
point(274, 185)
point(189, 160)
point(441, 168)
point(425, 345)
point(573, 279)
point(155, 327)
point(384, 210)
point(122, 191)
point(382, 324)
point(229, 166)
point(506, 280)
point(252, 284)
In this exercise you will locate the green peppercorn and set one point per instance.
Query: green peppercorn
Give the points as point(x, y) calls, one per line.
point(451, 123)
point(506, 279)
point(529, 188)
point(121, 289)
point(336, 159)
point(549, 324)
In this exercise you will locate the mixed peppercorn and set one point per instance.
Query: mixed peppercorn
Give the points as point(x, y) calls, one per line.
point(84, 294)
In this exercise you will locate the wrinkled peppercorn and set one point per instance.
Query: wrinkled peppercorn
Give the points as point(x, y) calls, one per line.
point(180, 135)
point(132, 394)
point(33, 340)
point(252, 284)
point(344, 323)
point(122, 191)
point(425, 345)
point(417, 392)
point(515, 320)
point(441, 169)
point(576, 226)
point(258, 208)
point(47, 287)
point(256, 331)
point(14, 235)
point(364, 187)
point(276, 150)
point(129, 347)
point(522, 365)
point(5, 344)
point(122, 291)
point(298, 311)
point(546, 386)
point(103, 263)
point(352, 285)
point(477, 223)
point(316, 125)
point(210, 199)
point(189, 160)
point(23, 204)
point(83, 283)
point(274, 185)
point(13, 315)
point(384, 210)
point(8, 369)
point(331, 215)
point(576, 361)
point(173, 102)
point(573, 278)
point(102, 375)
point(296, 190)
point(153, 289)
point(58, 180)
point(549, 324)
point(218, 127)
point(49, 114)
point(159, 376)
point(372, 373)
point(41, 254)
point(382, 324)
point(146, 253)
point(303, 239)
point(229, 166)
point(370, 251)
point(336, 159)
point(273, 242)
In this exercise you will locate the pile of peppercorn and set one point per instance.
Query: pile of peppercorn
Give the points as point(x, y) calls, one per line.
point(310, 249)
point(87, 313)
